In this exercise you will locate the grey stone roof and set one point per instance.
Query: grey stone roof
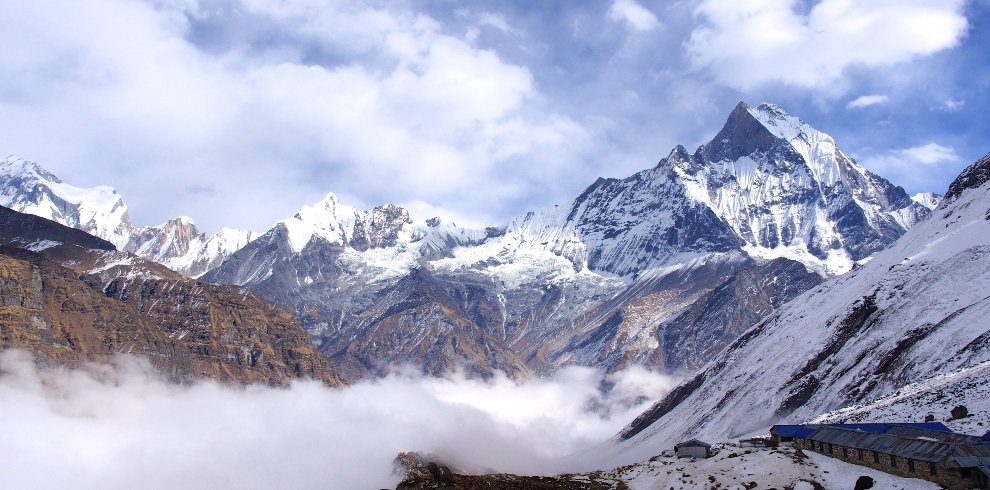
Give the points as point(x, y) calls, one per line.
point(692, 442)
point(937, 447)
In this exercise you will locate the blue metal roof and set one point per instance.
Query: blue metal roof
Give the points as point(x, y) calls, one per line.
point(802, 431)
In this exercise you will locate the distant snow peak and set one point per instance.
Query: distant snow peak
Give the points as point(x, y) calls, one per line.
point(27, 187)
point(16, 165)
point(927, 199)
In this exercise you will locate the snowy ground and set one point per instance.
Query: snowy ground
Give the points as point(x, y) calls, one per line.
point(756, 468)
point(936, 396)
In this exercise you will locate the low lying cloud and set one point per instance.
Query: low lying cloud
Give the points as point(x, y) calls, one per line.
point(120, 426)
point(747, 44)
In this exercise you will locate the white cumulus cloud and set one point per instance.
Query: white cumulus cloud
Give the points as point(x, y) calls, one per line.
point(272, 104)
point(917, 167)
point(747, 44)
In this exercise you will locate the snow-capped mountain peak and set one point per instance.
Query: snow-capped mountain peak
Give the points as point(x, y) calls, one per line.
point(779, 122)
point(100, 210)
point(788, 191)
point(344, 225)
point(25, 186)
point(326, 213)
point(16, 165)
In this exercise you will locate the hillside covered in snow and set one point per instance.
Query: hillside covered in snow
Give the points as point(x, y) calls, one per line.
point(898, 338)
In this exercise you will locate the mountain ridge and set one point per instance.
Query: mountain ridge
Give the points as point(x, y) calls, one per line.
point(766, 187)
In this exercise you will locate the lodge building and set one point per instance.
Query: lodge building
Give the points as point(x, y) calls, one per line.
point(928, 451)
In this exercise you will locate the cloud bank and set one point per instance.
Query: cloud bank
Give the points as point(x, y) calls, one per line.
point(120, 426)
point(748, 44)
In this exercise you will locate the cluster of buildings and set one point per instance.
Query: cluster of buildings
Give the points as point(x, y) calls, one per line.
point(930, 451)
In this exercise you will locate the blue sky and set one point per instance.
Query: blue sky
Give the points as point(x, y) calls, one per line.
point(238, 112)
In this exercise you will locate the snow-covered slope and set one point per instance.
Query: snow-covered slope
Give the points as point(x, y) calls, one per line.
point(100, 211)
point(916, 311)
point(936, 397)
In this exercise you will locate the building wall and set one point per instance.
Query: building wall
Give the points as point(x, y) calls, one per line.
point(950, 478)
point(692, 452)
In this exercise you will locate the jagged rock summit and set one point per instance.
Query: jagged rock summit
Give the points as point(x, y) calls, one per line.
point(178, 244)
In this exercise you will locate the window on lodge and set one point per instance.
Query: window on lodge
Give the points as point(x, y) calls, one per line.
point(859, 452)
point(910, 465)
point(830, 448)
point(845, 453)
point(876, 457)
point(931, 469)
point(965, 472)
point(893, 461)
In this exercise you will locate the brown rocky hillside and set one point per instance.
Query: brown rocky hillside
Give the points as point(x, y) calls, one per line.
point(52, 307)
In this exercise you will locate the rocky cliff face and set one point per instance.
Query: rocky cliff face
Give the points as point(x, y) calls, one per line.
point(66, 315)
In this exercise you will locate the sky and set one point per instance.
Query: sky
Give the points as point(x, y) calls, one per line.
point(119, 425)
point(239, 112)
